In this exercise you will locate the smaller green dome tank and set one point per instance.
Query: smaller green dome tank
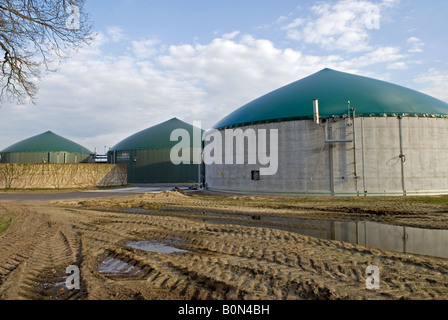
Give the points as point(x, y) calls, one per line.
point(47, 142)
point(154, 138)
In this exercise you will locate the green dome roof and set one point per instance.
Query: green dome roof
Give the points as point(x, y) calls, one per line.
point(334, 89)
point(47, 142)
point(157, 137)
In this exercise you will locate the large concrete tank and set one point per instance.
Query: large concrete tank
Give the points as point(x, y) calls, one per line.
point(369, 138)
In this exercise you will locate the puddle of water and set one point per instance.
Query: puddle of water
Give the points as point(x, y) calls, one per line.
point(137, 211)
point(370, 234)
point(396, 238)
point(306, 227)
point(54, 285)
point(154, 246)
point(116, 267)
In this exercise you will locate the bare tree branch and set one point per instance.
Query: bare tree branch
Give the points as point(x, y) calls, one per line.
point(35, 36)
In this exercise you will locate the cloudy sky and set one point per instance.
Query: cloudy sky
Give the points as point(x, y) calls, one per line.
point(200, 60)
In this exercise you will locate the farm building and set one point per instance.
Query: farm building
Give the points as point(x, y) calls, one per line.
point(45, 148)
point(339, 134)
point(148, 155)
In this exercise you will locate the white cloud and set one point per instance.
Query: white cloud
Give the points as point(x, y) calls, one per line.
point(115, 33)
point(435, 83)
point(380, 55)
point(416, 45)
point(146, 49)
point(231, 35)
point(233, 72)
point(397, 66)
point(296, 23)
point(282, 19)
point(98, 98)
point(344, 25)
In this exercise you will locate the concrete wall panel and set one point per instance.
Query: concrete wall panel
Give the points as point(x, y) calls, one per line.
point(306, 162)
point(61, 176)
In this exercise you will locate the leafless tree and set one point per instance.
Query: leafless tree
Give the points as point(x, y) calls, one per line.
point(35, 36)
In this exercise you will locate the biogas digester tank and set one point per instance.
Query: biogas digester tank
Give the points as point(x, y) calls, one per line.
point(45, 148)
point(148, 155)
point(371, 138)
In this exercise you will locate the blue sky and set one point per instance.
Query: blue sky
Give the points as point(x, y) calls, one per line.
point(182, 21)
point(200, 60)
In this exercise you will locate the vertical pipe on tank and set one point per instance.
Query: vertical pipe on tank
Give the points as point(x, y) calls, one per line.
point(354, 149)
point(331, 160)
point(402, 156)
point(203, 166)
point(316, 111)
point(199, 175)
point(364, 183)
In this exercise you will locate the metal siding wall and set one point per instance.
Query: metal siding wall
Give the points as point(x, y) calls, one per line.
point(39, 157)
point(25, 158)
point(155, 166)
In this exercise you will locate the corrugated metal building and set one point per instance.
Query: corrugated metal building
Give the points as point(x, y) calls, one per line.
point(373, 138)
point(148, 155)
point(45, 148)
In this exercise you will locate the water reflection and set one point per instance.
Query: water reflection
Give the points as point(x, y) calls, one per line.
point(395, 238)
point(154, 246)
point(365, 233)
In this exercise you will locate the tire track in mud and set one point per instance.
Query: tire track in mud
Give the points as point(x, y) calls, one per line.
point(35, 253)
point(44, 274)
point(223, 261)
point(289, 265)
point(286, 268)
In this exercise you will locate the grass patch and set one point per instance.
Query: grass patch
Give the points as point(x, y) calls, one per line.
point(56, 190)
point(429, 200)
point(4, 224)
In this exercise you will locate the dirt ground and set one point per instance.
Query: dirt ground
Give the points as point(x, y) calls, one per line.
point(223, 260)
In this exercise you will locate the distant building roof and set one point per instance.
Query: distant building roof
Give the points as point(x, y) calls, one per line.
point(334, 89)
point(47, 142)
point(154, 138)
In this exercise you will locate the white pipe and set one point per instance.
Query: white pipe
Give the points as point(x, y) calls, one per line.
point(316, 111)
point(354, 147)
point(364, 182)
point(402, 156)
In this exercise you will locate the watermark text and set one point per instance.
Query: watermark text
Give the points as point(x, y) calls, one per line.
point(73, 21)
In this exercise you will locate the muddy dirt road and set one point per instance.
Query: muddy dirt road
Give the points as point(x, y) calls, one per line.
point(220, 261)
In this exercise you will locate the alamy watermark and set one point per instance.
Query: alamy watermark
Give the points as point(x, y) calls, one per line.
point(373, 279)
point(73, 21)
point(73, 281)
point(373, 17)
point(227, 147)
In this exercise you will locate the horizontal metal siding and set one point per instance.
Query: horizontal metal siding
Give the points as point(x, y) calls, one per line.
point(41, 157)
point(155, 166)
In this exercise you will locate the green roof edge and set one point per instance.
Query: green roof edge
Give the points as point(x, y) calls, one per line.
point(326, 116)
